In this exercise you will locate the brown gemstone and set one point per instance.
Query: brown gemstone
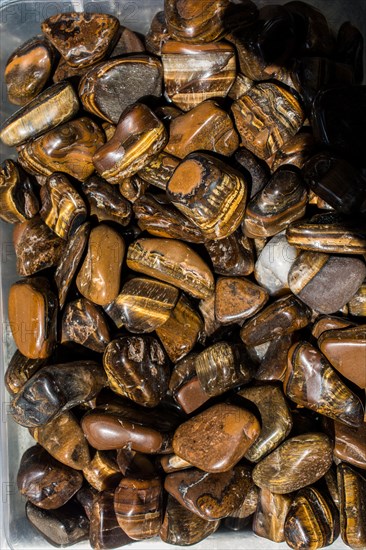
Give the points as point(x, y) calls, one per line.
point(295, 152)
point(196, 23)
point(102, 472)
point(231, 256)
point(32, 312)
point(270, 515)
point(161, 167)
point(157, 34)
point(185, 386)
point(241, 86)
point(352, 506)
point(331, 484)
point(350, 444)
point(296, 463)
point(94, 31)
point(104, 529)
point(237, 299)
point(172, 463)
point(64, 71)
point(19, 370)
point(329, 322)
point(105, 202)
point(132, 188)
point(98, 279)
point(237, 519)
point(83, 323)
point(216, 439)
point(273, 362)
point(205, 127)
point(207, 309)
point(18, 200)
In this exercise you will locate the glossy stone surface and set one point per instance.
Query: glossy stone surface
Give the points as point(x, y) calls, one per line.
point(231, 256)
point(257, 170)
point(273, 265)
point(83, 323)
point(137, 368)
point(69, 148)
point(185, 386)
point(32, 313)
point(329, 322)
point(357, 304)
point(64, 71)
point(19, 370)
point(173, 262)
point(207, 310)
point(102, 472)
point(350, 444)
point(99, 276)
point(134, 76)
point(295, 152)
point(81, 38)
point(104, 529)
point(205, 127)
point(194, 23)
point(160, 168)
point(44, 481)
point(194, 73)
point(18, 200)
point(273, 360)
point(172, 463)
point(270, 515)
point(296, 463)
point(275, 428)
point(105, 202)
point(157, 34)
point(49, 109)
point(122, 156)
point(315, 278)
point(216, 439)
point(352, 506)
point(132, 188)
point(237, 299)
point(311, 382)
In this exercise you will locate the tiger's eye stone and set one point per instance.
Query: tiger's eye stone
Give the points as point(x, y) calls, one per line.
point(182, 527)
point(105, 202)
point(352, 493)
point(123, 155)
point(266, 117)
point(194, 73)
point(172, 463)
point(205, 127)
point(210, 496)
point(275, 428)
point(207, 309)
point(350, 444)
point(315, 278)
point(296, 463)
point(273, 363)
point(345, 349)
point(98, 279)
point(160, 168)
point(19, 371)
point(143, 305)
point(49, 109)
point(282, 317)
point(63, 439)
point(69, 148)
point(132, 188)
point(134, 76)
point(231, 256)
point(83, 323)
point(104, 529)
point(137, 368)
point(188, 21)
point(55, 389)
point(330, 479)
point(157, 34)
point(240, 518)
point(18, 200)
point(185, 386)
point(349, 49)
point(311, 382)
point(138, 507)
point(281, 201)
point(209, 193)
point(128, 42)
point(216, 439)
point(241, 86)
point(69, 261)
point(270, 515)
point(357, 304)
point(32, 313)
point(173, 262)
point(102, 472)
point(237, 299)
point(63, 210)
point(329, 322)
point(81, 38)
point(44, 481)
point(295, 152)
point(28, 69)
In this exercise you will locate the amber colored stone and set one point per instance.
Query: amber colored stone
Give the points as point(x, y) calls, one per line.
point(345, 350)
point(19, 370)
point(185, 386)
point(350, 444)
point(18, 200)
point(205, 127)
point(315, 278)
point(172, 463)
point(138, 507)
point(207, 309)
point(32, 313)
point(237, 299)
point(352, 506)
point(99, 276)
point(94, 31)
point(295, 152)
point(157, 34)
point(270, 515)
point(105, 202)
point(329, 322)
point(69, 148)
point(134, 76)
point(121, 157)
point(311, 382)
point(241, 86)
point(194, 73)
point(63, 439)
point(231, 256)
point(133, 188)
point(296, 463)
point(128, 42)
point(102, 472)
point(275, 428)
point(357, 304)
point(55, 389)
point(196, 23)
point(137, 368)
point(173, 262)
point(83, 323)
point(216, 439)
point(161, 167)
point(104, 529)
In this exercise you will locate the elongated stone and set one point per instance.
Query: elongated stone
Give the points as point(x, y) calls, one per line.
point(231, 256)
point(270, 515)
point(105, 202)
point(352, 505)
point(18, 199)
point(104, 529)
point(19, 370)
point(83, 323)
point(237, 299)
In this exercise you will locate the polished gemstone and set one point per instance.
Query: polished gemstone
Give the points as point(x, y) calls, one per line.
point(350, 444)
point(83, 323)
point(231, 256)
point(104, 529)
point(19, 370)
point(102, 473)
point(105, 202)
point(352, 506)
point(185, 386)
point(270, 515)
point(237, 299)
point(18, 197)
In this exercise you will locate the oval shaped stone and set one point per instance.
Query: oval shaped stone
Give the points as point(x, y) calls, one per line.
point(83, 323)
point(237, 299)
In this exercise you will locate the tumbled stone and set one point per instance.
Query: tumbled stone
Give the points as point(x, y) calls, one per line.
point(350, 444)
point(83, 323)
point(352, 506)
point(270, 515)
point(237, 299)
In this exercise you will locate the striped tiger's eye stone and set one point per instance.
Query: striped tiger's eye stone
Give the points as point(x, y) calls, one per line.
point(280, 202)
point(173, 262)
point(102, 472)
point(157, 34)
point(236, 299)
point(326, 282)
point(352, 493)
point(18, 200)
point(266, 117)
point(210, 193)
point(240, 87)
point(28, 69)
point(132, 188)
point(81, 38)
point(19, 371)
point(350, 444)
point(49, 109)
point(296, 463)
point(64, 71)
point(185, 386)
point(311, 382)
point(137, 368)
point(123, 155)
point(69, 148)
point(160, 168)
point(99, 277)
point(205, 127)
point(231, 256)
point(134, 76)
point(138, 507)
point(105, 202)
point(84, 324)
point(193, 73)
point(104, 529)
point(270, 515)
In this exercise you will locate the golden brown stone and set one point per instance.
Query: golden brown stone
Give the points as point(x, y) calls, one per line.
point(270, 515)
point(19, 370)
point(83, 323)
point(352, 506)
point(237, 299)
point(18, 200)
point(102, 472)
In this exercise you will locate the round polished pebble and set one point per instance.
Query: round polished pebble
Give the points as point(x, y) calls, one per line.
point(270, 515)
point(237, 299)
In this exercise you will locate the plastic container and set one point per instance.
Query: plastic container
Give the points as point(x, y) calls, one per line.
point(20, 20)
